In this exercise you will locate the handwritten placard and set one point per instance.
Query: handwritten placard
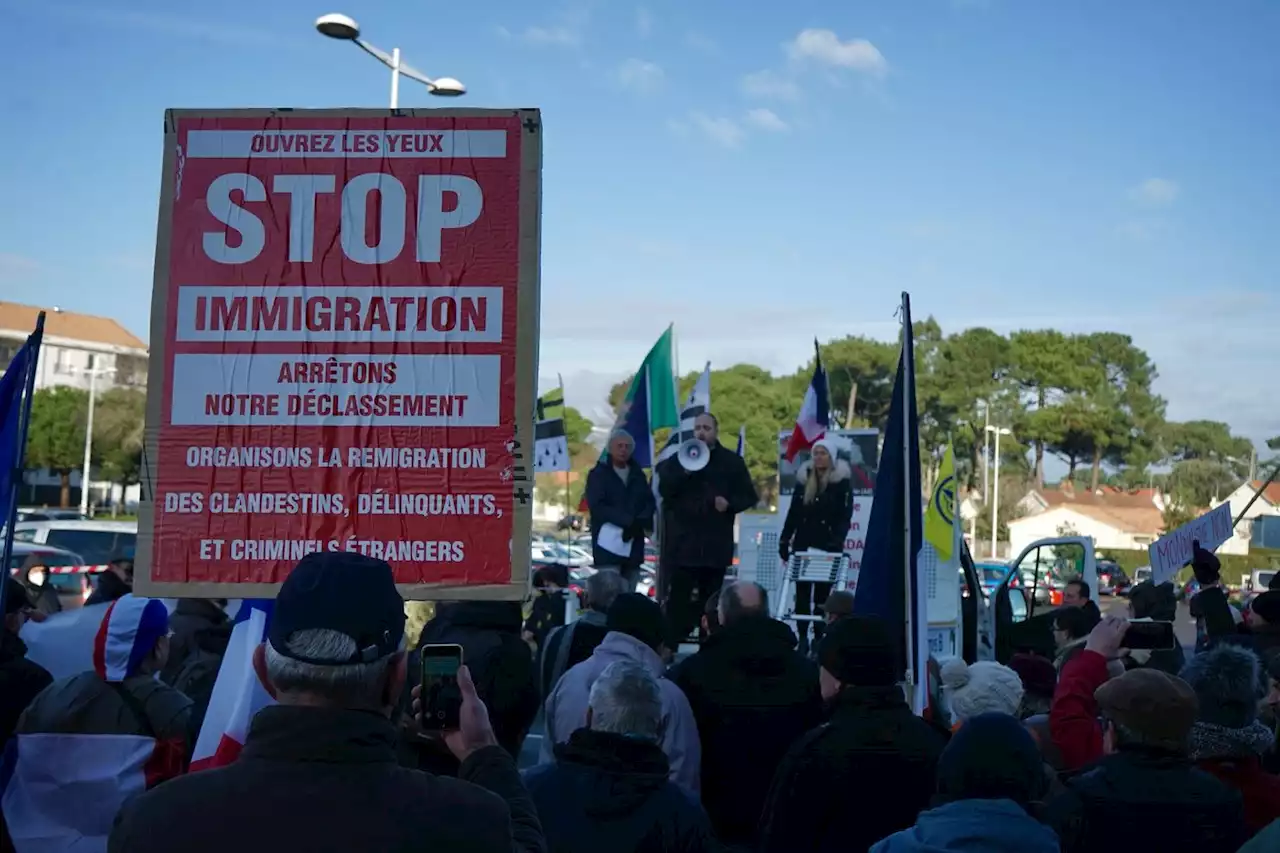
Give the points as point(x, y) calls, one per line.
point(1172, 551)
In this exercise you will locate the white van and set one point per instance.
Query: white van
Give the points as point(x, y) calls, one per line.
point(96, 541)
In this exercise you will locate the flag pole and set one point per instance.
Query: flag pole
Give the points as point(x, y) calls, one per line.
point(568, 507)
point(24, 420)
point(826, 377)
point(907, 391)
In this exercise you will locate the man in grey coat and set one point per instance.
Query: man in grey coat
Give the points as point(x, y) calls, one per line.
point(636, 633)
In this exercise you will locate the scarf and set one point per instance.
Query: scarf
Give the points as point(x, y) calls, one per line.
point(1213, 741)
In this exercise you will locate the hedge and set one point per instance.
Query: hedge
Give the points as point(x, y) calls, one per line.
point(1234, 566)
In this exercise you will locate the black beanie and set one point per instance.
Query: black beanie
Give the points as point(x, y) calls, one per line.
point(992, 757)
point(1267, 606)
point(858, 651)
point(637, 616)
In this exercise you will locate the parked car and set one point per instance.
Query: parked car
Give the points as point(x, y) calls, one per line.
point(992, 575)
point(72, 589)
point(29, 514)
point(1142, 574)
point(97, 541)
point(1112, 579)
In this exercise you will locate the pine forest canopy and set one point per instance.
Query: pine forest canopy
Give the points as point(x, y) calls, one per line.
point(1084, 398)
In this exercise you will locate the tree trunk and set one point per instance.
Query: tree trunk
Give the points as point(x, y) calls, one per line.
point(853, 401)
point(1071, 468)
point(66, 489)
point(1039, 443)
point(1097, 468)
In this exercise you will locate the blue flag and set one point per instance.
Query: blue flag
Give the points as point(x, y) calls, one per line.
point(12, 386)
point(894, 532)
point(635, 420)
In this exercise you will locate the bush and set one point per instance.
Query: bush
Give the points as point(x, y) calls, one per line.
point(1234, 566)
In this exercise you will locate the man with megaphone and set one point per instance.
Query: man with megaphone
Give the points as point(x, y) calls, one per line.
point(702, 487)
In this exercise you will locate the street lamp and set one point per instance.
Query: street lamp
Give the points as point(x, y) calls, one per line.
point(995, 491)
point(344, 28)
point(88, 436)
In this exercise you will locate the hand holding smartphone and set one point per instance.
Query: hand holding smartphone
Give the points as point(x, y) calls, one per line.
point(1149, 635)
point(441, 697)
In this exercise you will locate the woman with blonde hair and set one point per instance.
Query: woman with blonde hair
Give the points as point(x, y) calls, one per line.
point(817, 520)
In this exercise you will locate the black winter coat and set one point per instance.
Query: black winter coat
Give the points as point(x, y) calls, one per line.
point(747, 685)
point(824, 524)
point(866, 774)
point(626, 505)
point(326, 781)
point(501, 665)
point(189, 618)
point(1144, 800)
point(109, 587)
point(607, 792)
point(697, 534)
point(20, 681)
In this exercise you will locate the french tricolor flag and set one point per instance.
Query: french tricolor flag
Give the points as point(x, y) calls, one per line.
point(815, 412)
point(239, 693)
point(62, 790)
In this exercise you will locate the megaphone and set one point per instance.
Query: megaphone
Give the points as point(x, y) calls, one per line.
point(694, 455)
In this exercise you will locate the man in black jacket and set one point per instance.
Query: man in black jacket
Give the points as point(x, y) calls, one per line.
point(866, 774)
point(618, 495)
point(746, 685)
point(698, 511)
point(318, 771)
point(20, 679)
point(607, 789)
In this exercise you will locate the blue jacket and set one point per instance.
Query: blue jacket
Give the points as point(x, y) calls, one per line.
point(611, 501)
point(973, 826)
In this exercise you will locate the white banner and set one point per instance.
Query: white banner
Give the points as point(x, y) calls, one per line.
point(1172, 551)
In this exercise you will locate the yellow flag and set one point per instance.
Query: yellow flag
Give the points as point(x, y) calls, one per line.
point(940, 517)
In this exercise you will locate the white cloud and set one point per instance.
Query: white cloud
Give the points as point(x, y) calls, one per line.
point(640, 76)
point(770, 85)
point(719, 129)
point(767, 120)
point(1158, 192)
point(568, 31)
point(825, 48)
point(644, 22)
point(701, 43)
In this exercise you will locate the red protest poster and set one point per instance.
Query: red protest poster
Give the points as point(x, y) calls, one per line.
point(344, 327)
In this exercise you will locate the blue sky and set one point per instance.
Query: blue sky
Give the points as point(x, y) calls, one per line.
point(759, 172)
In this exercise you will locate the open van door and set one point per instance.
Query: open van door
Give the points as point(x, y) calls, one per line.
point(1021, 605)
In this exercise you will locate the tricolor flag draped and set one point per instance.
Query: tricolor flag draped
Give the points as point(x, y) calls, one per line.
point(889, 583)
point(551, 447)
point(815, 411)
point(62, 790)
point(238, 694)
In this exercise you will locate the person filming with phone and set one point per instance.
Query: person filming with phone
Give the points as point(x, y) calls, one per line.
point(318, 770)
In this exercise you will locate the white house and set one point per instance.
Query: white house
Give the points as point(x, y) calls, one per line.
point(1268, 503)
point(75, 346)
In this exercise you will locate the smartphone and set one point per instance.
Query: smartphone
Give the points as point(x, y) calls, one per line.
point(1151, 636)
point(441, 696)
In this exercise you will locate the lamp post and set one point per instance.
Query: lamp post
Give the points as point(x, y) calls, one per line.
point(995, 491)
point(88, 436)
point(344, 28)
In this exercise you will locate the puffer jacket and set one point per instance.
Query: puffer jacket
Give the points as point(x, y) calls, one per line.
point(973, 826)
point(609, 792)
point(566, 707)
point(824, 524)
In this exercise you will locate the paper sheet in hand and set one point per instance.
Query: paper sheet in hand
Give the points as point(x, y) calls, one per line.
point(611, 540)
point(1172, 551)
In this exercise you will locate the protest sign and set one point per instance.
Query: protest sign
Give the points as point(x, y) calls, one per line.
point(344, 349)
point(1172, 551)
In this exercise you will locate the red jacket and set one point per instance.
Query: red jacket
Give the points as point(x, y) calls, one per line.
point(1073, 717)
point(1260, 789)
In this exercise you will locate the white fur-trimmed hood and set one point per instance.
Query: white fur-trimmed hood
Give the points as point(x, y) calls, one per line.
point(841, 472)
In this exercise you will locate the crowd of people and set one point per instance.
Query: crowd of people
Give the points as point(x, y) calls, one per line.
point(751, 743)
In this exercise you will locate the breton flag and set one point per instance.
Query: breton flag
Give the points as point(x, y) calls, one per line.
point(62, 790)
point(742, 441)
point(815, 412)
point(889, 584)
point(697, 403)
point(238, 694)
point(551, 447)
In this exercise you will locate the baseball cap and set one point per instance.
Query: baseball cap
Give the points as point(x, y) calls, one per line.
point(343, 592)
point(1160, 706)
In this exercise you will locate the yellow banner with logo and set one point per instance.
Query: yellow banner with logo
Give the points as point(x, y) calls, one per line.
point(940, 517)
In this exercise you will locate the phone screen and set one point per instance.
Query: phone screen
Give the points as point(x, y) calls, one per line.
point(1149, 636)
point(441, 697)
